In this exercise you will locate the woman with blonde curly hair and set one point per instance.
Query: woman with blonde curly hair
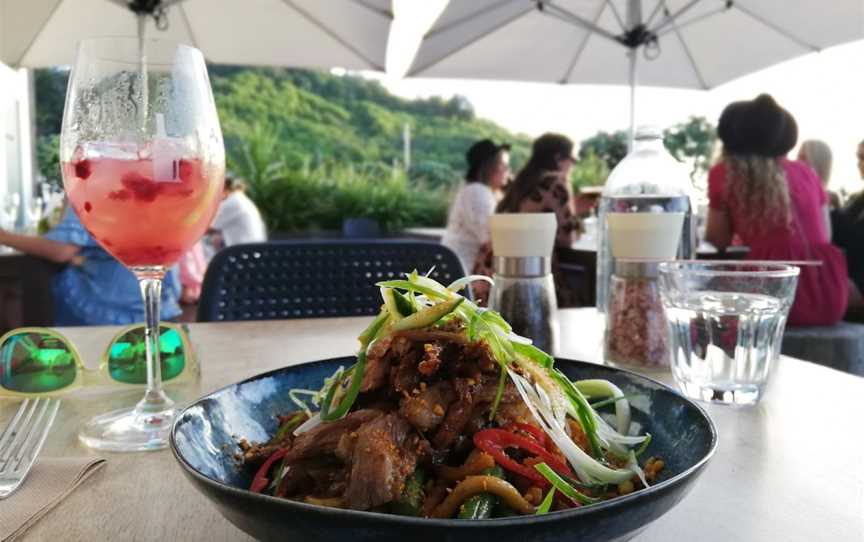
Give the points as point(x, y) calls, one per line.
point(776, 206)
point(818, 154)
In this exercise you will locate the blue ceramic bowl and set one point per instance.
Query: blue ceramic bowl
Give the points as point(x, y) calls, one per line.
point(204, 441)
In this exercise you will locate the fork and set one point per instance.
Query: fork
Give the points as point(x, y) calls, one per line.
point(22, 439)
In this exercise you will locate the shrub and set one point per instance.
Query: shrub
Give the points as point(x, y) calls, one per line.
point(320, 200)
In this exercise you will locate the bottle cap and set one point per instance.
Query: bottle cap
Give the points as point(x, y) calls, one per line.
point(523, 234)
point(645, 235)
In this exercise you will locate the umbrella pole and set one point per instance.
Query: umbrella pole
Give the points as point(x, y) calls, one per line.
point(631, 53)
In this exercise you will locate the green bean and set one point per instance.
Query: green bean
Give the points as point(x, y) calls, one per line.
point(411, 500)
point(481, 506)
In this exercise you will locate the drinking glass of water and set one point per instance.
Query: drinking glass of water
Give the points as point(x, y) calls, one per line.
point(726, 322)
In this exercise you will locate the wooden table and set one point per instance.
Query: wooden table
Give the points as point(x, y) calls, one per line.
point(790, 469)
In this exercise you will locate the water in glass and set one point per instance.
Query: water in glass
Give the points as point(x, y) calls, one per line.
point(724, 344)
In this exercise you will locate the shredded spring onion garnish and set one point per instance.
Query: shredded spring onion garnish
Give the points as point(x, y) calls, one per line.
point(418, 301)
point(302, 404)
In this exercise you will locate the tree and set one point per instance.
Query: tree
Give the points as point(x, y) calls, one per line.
point(692, 141)
point(50, 89)
point(591, 170)
point(611, 148)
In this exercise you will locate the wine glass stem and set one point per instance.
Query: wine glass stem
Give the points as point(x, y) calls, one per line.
point(155, 399)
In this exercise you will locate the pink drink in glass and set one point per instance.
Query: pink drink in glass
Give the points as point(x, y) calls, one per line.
point(145, 212)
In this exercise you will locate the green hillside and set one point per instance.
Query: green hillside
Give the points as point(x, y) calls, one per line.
point(326, 119)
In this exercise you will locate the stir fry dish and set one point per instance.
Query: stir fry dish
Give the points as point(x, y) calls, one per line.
point(447, 413)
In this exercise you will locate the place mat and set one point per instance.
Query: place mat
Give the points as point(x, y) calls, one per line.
point(48, 483)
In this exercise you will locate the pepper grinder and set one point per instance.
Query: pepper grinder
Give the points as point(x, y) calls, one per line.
point(524, 291)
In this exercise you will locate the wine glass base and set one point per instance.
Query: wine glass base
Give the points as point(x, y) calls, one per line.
point(128, 430)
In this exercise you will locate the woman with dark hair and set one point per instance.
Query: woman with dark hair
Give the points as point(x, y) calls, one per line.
point(542, 186)
point(776, 206)
point(468, 222)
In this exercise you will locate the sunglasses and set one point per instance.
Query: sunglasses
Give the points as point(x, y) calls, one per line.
point(36, 361)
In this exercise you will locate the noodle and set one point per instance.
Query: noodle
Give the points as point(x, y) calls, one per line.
point(476, 463)
point(474, 485)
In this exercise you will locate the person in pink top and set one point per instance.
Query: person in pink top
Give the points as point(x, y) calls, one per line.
point(776, 206)
point(193, 266)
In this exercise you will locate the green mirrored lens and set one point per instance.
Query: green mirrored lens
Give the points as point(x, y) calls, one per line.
point(127, 359)
point(35, 363)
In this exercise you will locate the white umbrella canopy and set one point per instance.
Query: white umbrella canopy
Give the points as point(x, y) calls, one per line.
point(666, 43)
point(304, 33)
point(683, 43)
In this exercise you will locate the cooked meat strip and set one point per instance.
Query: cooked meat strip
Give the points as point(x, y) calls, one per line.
point(425, 410)
point(384, 456)
point(514, 412)
point(324, 438)
point(377, 366)
point(479, 354)
point(324, 476)
point(329, 479)
point(431, 361)
point(458, 413)
point(404, 376)
point(489, 387)
point(295, 479)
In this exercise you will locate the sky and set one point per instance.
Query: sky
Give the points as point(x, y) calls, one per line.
point(824, 91)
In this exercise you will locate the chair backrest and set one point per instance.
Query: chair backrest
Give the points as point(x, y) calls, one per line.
point(360, 228)
point(313, 279)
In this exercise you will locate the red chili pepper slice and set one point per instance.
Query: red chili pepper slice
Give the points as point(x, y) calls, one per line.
point(260, 481)
point(494, 442)
point(538, 434)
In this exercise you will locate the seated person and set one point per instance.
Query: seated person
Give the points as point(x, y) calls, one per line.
point(93, 288)
point(238, 220)
point(468, 220)
point(192, 266)
point(817, 154)
point(542, 186)
point(848, 226)
point(777, 206)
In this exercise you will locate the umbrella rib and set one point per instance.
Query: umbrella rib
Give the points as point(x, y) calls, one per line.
point(188, 26)
point(470, 42)
point(571, 17)
point(315, 22)
point(776, 28)
point(660, 5)
point(675, 16)
point(583, 45)
point(616, 14)
point(374, 9)
point(690, 57)
point(38, 33)
point(694, 20)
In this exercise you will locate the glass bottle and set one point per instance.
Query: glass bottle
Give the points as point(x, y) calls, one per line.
point(648, 180)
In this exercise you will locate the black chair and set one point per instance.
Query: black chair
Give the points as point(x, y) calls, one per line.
point(360, 228)
point(313, 279)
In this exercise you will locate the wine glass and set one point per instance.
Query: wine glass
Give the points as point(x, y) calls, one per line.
point(11, 206)
point(143, 166)
point(33, 214)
